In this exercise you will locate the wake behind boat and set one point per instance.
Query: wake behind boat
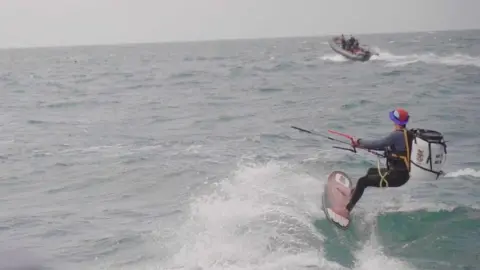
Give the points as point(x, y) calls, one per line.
point(350, 49)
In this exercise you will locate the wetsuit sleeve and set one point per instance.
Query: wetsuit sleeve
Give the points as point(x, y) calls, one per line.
point(379, 144)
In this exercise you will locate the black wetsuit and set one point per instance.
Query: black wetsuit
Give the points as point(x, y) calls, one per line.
point(397, 172)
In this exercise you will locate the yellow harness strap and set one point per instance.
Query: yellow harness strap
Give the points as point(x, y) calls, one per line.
point(405, 159)
point(382, 177)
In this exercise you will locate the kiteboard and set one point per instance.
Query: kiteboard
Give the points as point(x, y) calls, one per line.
point(336, 195)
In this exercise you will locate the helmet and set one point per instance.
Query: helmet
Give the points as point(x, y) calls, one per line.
point(399, 116)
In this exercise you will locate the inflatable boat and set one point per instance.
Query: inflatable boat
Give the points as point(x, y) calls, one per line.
point(359, 54)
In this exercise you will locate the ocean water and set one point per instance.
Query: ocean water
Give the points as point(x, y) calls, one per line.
point(181, 155)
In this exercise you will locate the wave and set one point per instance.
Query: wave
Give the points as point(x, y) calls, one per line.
point(334, 58)
point(455, 59)
point(268, 216)
point(258, 218)
point(464, 172)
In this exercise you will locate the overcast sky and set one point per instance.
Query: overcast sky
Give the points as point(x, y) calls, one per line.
point(25, 23)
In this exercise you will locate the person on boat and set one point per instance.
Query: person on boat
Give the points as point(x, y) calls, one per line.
point(344, 42)
point(397, 146)
point(350, 43)
point(356, 46)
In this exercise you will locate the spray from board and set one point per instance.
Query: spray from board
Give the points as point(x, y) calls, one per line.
point(263, 217)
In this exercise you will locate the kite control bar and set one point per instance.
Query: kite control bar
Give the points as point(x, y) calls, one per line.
point(352, 140)
point(352, 148)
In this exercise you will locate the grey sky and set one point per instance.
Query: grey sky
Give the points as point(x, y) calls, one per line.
point(25, 23)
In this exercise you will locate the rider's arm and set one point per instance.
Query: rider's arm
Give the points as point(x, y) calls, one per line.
point(379, 144)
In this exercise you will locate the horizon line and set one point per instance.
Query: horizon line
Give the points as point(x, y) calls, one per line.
point(222, 39)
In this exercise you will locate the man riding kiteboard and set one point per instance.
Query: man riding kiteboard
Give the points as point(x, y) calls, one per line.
point(426, 147)
point(398, 144)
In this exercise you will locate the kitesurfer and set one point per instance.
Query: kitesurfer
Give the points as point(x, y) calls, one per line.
point(397, 146)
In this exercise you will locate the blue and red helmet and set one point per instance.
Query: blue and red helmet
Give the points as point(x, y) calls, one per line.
point(399, 116)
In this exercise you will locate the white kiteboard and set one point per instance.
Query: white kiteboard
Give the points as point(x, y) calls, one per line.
point(336, 196)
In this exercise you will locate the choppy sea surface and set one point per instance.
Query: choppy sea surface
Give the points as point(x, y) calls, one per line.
point(181, 155)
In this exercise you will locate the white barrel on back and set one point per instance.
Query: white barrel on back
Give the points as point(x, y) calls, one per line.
point(428, 155)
